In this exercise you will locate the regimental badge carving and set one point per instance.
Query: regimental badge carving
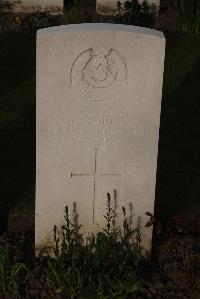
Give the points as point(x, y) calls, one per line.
point(99, 69)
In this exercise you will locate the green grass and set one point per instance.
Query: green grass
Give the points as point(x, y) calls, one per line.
point(178, 183)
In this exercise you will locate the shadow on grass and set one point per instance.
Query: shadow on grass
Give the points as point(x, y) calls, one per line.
point(17, 151)
point(178, 174)
point(17, 59)
point(17, 121)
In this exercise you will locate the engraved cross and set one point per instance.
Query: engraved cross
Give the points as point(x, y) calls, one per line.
point(95, 175)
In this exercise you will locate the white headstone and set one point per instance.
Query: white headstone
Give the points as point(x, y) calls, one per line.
point(52, 6)
point(99, 92)
point(109, 7)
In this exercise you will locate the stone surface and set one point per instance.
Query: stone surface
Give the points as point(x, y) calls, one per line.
point(52, 6)
point(99, 92)
point(109, 7)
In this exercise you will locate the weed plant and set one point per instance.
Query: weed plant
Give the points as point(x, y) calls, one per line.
point(75, 14)
point(10, 276)
point(107, 266)
point(189, 12)
point(134, 13)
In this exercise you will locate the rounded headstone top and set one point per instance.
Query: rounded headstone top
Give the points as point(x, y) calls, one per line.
point(98, 27)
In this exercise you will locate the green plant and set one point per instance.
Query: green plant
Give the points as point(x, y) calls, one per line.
point(131, 7)
point(75, 15)
point(132, 12)
point(68, 4)
point(119, 8)
point(166, 4)
point(108, 266)
point(10, 275)
point(76, 3)
point(189, 13)
point(38, 20)
point(72, 12)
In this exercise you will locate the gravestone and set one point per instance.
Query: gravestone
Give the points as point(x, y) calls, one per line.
point(99, 92)
point(109, 7)
point(28, 6)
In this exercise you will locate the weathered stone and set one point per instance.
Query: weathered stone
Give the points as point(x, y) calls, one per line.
point(99, 92)
point(52, 6)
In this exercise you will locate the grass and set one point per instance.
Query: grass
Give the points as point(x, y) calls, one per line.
point(178, 183)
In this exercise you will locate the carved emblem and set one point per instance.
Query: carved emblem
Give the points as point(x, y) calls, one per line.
point(99, 69)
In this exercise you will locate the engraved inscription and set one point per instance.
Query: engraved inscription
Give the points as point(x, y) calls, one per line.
point(99, 69)
point(100, 125)
point(95, 176)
